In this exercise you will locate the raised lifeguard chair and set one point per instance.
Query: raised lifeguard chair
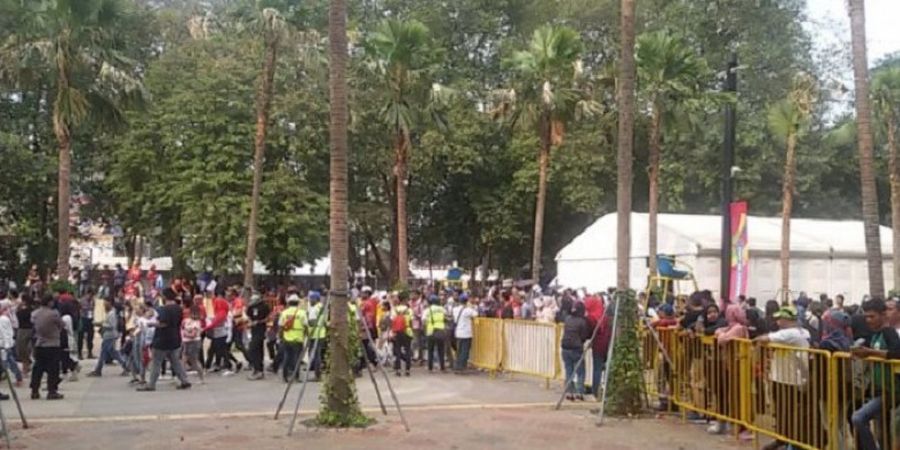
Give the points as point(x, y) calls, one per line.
point(668, 274)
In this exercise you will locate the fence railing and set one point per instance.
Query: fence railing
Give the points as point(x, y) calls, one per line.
point(808, 398)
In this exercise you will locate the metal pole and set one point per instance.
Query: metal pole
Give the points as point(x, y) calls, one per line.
point(15, 396)
point(387, 381)
point(359, 319)
point(612, 353)
point(727, 185)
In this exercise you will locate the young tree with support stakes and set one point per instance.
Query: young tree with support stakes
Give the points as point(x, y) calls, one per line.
point(547, 95)
point(789, 119)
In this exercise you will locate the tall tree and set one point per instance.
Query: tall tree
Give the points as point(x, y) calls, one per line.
point(668, 73)
point(886, 94)
point(788, 119)
point(865, 143)
point(272, 27)
point(625, 107)
point(74, 43)
point(404, 58)
point(340, 406)
point(549, 70)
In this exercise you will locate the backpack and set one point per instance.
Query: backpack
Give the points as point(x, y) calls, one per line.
point(398, 323)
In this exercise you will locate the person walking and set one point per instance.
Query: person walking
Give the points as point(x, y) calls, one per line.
point(576, 332)
point(167, 343)
point(191, 330)
point(86, 325)
point(109, 332)
point(216, 330)
point(435, 331)
point(257, 314)
point(48, 326)
point(465, 313)
point(293, 325)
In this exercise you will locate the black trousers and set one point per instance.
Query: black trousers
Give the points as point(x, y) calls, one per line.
point(86, 336)
point(436, 345)
point(402, 351)
point(46, 360)
point(255, 352)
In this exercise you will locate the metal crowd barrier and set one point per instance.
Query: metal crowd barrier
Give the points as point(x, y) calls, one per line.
point(487, 344)
point(540, 342)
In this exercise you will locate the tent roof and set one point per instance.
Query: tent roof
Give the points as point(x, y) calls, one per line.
point(690, 234)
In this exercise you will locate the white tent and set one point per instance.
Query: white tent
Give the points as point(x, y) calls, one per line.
point(827, 256)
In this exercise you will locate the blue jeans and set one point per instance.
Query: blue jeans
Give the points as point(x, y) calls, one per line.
point(599, 363)
point(12, 365)
point(570, 358)
point(462, 358)
point(108, 350)
point(860, 420)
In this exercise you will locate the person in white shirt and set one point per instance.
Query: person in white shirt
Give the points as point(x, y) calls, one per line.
point(463, 314)
point(8, 343)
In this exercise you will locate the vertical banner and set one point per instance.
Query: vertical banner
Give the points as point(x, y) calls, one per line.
point(740, 252)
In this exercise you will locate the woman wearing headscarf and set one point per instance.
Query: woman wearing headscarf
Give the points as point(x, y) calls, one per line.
point(735, 327)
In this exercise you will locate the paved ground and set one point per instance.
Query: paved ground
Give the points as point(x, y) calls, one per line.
point(445, 411)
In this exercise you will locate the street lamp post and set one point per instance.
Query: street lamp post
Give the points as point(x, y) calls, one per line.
point(727, 179)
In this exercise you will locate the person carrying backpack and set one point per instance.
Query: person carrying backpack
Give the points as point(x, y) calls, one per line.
point(401, 329)
point(293, 326)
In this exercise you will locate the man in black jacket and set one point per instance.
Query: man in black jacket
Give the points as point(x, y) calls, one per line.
point(883, 342)
point(258, 314)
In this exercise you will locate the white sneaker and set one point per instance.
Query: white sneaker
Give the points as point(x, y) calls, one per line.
point(227, 373)
point(73, 376)
point(717, 427)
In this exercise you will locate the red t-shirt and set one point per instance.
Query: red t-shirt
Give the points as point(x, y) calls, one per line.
point(369, 311)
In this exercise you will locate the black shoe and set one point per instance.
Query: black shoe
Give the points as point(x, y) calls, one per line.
point(93, 373)
point(4, 396)
point(406, 373)
point(35, 395)
point(240, 366)
point(183, 386)
point(54, 396)
point(145, 389)
point(90, 355)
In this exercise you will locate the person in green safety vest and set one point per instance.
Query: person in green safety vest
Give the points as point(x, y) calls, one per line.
point(318, 334)
point(293, 325)
point(435, 331)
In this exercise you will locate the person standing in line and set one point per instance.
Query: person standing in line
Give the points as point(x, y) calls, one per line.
point(257, 313)
point(418, 308)
point(25, 333)
point(47, 328)
point(109, 332)
point(86, 325)
point(8, 343)
point(167, 343)
point(435, 330)
point(402, 331)
point(465, 313)
point(293, 325)
point(318, 332)
point(576, 332)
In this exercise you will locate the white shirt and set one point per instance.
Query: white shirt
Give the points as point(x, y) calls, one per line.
point(7, 334)
point(790, 367)
point(463, 316)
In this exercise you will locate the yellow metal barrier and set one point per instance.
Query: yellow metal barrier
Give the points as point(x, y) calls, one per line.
point(861, 386)
point(531, 348)
point(487, 343)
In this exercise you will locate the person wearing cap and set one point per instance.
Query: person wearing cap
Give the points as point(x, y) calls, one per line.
point(786, 373)
point(435, 331)
point(318, 333)
point(882, 342)
point(167, 342)
point(293, 325)
point(257, 314)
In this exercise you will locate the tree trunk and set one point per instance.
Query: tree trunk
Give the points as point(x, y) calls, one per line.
point(263, 102)
point(543, 166)
point(625, 102)
point(894, 167)
point(64, 140)
point(400, 170)
point(787, 198)
point(864, 138)
point(653, 176)
point(340, 403)
point(376, 253)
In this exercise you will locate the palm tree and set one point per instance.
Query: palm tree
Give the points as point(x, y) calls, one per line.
point(72, 45)
point(864, 140)
point(548, 71)
point(668, 73)
point(340, 406)
point(787, 120)
point(403, 57)
point(272, 27)
point(625, 106)
point(886, 94)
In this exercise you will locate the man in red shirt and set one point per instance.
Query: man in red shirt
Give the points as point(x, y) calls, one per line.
point(217, 332)
point(369, 310)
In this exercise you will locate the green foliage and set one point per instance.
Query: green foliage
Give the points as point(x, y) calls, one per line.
point(328, 417)
point(626, 376)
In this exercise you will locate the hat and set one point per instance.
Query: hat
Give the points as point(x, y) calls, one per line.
point(463, 297)
point(315, 295)
point(293, 298)
point(255, 298)
point(433, 299)
point(786, 313)
point(367, 289)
